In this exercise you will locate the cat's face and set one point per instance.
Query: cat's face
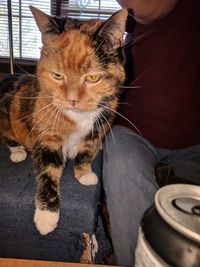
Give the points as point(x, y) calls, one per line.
point(81, 64)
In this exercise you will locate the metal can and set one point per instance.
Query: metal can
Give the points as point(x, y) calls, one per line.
point(170, 229)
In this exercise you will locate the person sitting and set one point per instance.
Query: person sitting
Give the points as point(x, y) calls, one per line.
point(162, 107)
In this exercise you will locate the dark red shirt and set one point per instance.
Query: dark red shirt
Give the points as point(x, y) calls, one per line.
point(165, 103)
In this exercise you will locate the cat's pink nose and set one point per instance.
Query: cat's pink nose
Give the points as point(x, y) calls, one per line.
point(73, 102)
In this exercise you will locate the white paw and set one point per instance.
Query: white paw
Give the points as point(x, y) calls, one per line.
point(17, 153)
point(88, 179)
point(46, 221)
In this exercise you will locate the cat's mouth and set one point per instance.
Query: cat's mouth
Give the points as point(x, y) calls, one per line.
point(80, 110)
point(77, 110)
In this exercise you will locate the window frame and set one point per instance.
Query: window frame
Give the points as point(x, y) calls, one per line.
point(27, 64)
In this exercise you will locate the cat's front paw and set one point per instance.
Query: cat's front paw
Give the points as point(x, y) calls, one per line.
point(18, 154)
point(88, 179)
point(45, 221)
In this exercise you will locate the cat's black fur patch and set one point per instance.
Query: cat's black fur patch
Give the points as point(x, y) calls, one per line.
point(44, 156)
point(93, 134)
point(106, 100)
point(56, 25)
point(47, 194)
point(81, 158)
point(10, 142)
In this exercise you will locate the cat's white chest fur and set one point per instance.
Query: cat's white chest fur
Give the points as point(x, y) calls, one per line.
point(85, 121)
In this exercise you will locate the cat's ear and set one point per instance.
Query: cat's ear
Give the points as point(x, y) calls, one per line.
point(42, 19)
point(46, 23)
point(112, 31)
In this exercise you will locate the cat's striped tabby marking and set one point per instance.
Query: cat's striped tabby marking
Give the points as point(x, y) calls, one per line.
point(65, 110)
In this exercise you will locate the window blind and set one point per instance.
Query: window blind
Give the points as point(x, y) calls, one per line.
point(89, 8)
point(26, 36)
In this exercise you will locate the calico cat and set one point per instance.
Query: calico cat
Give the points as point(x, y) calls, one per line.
point(65, 110)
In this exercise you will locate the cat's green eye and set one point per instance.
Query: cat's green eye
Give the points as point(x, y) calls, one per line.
point(92, 78)
point(57, 76)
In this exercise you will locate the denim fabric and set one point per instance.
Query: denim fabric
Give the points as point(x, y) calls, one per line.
point(130, 183)
point(18, 235)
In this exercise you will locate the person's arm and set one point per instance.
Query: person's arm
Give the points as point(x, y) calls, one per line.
point(146, 11)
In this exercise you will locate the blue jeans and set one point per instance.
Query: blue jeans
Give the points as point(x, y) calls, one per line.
point(130, 183)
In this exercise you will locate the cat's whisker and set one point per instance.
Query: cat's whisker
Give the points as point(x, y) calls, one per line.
point(28, 97)
point(24, 71)
point(45, 130)
point(58, 120)
point(109, 128)
point(100, 124)
point(140, 76)
point(99, 46)
point(32, 114)
point(63, 118)
point(116, 112)
point(49, 110)
point(54, 122)
point(124, 86)
point(105, 135)
point(125, 103)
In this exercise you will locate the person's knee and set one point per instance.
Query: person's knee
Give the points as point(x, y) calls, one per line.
point(130, 160)
point(122, 144)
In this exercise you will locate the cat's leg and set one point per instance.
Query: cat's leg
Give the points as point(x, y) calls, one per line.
point(49, 163)
point(82, 164)
point(17, 151)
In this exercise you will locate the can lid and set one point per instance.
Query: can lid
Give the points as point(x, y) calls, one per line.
point(179, 206)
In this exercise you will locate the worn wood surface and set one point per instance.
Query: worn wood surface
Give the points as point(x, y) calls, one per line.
point(4, 262)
